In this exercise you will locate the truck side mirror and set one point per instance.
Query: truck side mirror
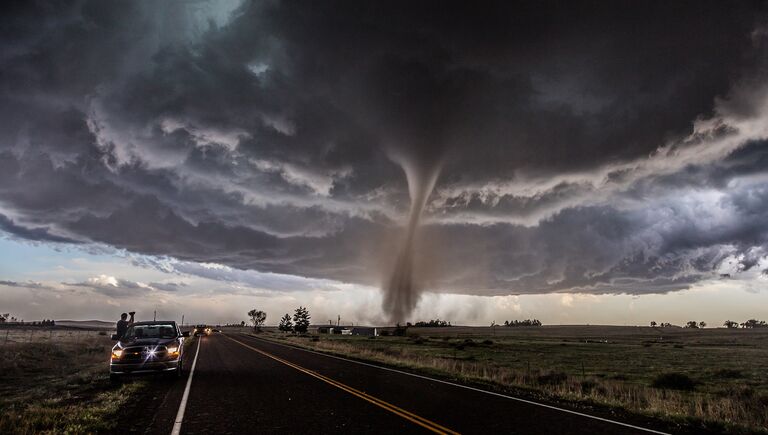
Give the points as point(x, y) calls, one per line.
point(115, 337)
point(185, 334)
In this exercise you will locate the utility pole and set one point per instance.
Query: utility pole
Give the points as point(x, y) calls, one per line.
point(182, 320)
point(338, 320)
point(154, 317)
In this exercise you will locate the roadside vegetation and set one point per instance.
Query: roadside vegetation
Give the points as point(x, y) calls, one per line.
point(710, 379)
point(299, 323)
point(258, 318)
point(56, 381)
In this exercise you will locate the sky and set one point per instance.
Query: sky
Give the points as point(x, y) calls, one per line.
point(579, 162)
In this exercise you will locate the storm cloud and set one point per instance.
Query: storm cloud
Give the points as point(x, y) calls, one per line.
point(586, 147)
point(122, 288)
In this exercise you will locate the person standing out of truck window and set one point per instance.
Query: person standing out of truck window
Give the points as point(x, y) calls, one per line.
point(123, 324)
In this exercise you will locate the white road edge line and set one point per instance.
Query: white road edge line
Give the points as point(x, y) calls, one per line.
point(183, 405)
point(467, 387)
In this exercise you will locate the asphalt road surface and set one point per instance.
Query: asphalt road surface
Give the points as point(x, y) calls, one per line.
point(242, 384)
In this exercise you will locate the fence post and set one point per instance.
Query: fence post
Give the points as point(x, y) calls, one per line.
point(529, 370)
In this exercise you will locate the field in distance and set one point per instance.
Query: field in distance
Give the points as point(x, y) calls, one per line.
point(712, 379)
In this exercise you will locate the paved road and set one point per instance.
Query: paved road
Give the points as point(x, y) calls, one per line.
point(243, 384)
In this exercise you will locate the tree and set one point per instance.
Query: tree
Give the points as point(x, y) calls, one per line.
point(754, 323)
point(653, 323)
point(702, 325)
point(692, 324)
point(258, 318)
point(730, 324)
point(242, 323)
point(526, 322)
point(437, 323)
point(285, 323)
point(301, 320)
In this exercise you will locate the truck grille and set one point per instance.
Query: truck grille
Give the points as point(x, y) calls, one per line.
point(142, 353)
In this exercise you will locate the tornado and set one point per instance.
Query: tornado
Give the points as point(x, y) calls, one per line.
point(401, 289)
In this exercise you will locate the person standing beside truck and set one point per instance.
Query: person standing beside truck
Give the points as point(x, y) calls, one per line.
point(123, 324)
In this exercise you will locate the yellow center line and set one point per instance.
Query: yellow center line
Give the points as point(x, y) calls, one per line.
point(421, 421)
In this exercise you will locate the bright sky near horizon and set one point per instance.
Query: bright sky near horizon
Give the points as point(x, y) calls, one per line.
point(71, 283)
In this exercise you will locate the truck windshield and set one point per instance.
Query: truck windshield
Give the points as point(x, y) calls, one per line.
point(137, 332)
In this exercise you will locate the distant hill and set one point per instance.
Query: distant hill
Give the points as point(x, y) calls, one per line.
point(86, 324)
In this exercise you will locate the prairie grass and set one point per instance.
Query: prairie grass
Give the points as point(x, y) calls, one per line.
point(611, 371)
point(56, 381)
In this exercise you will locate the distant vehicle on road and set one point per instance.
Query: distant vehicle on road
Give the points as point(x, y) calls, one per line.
point(203, 330)
point(148, 347)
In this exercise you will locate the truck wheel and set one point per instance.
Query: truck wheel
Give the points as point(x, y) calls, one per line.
point(175, 374)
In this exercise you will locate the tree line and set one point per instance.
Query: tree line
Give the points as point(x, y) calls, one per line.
point(751, 323)
point(526, 322)
point(436, 323)
point(299, 323)
point(6, 318)
point(730, 324)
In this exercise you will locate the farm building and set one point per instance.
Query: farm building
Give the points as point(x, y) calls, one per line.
point(367, 331)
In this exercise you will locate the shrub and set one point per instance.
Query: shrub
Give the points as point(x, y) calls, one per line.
point(552, 378)
point(673, 381)
point(487, 342)
point(587, 386)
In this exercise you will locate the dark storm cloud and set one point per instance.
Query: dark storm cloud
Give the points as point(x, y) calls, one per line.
point(37, 234)
point(273, 136)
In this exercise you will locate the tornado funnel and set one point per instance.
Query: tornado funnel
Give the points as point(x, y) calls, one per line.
point(401, 290)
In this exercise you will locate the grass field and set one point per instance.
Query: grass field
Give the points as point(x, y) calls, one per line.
point(710, 378)
point(56, 381)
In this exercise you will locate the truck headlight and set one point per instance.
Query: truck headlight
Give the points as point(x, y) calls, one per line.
point(117, 353)
point(173, 351)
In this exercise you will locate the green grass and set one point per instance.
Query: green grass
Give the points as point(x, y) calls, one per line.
point(614, 366)
point(58, 382)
